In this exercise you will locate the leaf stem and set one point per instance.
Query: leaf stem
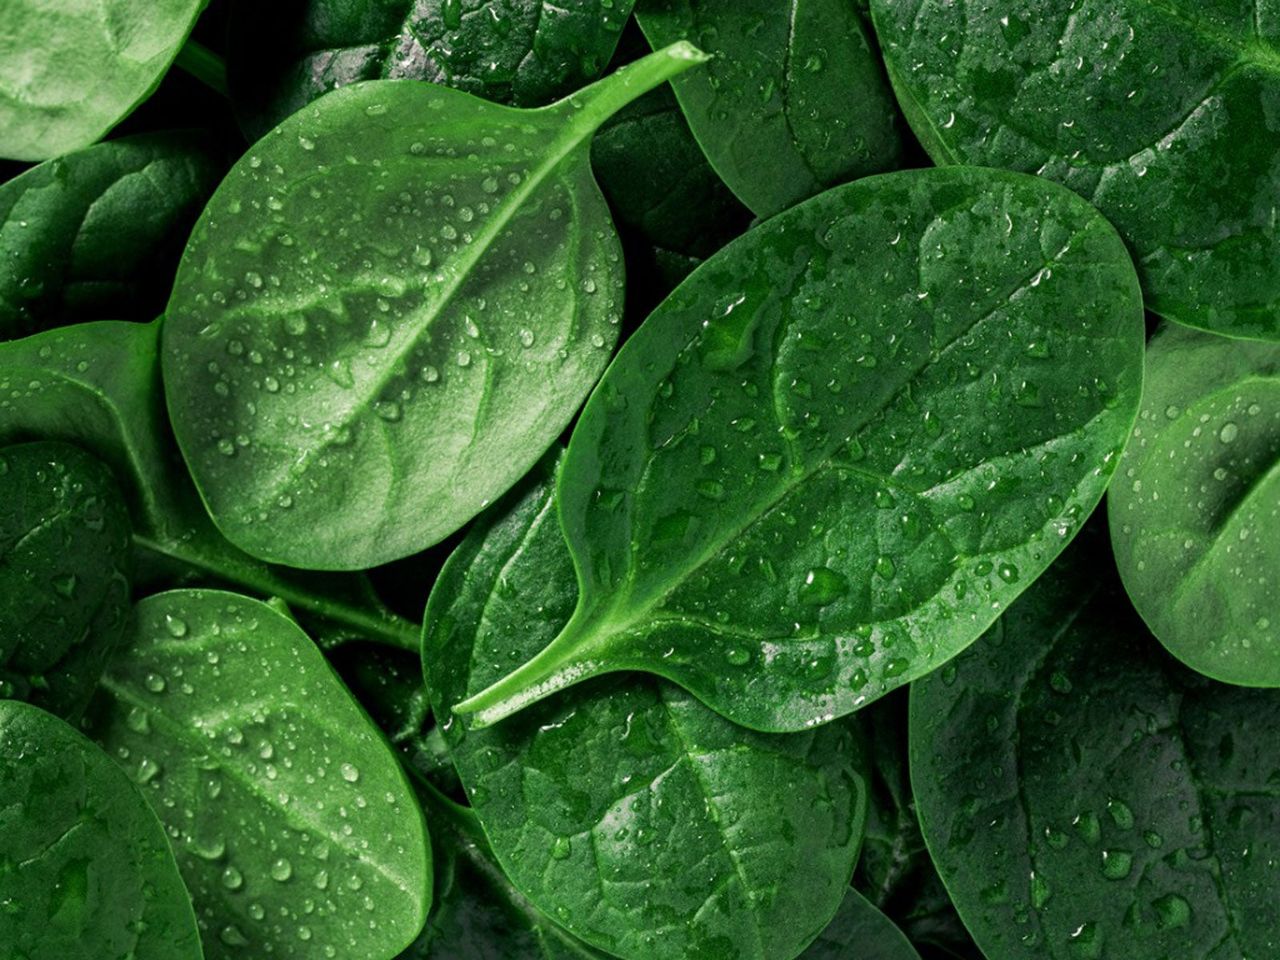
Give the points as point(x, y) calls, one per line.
point(205, 65)
point(602, 99)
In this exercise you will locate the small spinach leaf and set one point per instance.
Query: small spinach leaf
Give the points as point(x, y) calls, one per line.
point(64, 563)
point(294, 827)
point(860, 930)
point(1084, 795)
point(516, 52)
point(645, 823)
point(831, 457)
point(97, 385)
point(1160, 113)
point(85, 869)
point(1195, 512)
point(71, 71)
point(85, 236)
point(390, 309)
point(795, 101)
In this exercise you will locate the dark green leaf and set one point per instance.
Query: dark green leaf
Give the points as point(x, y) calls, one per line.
point(86, 236)
point(97, 385)
point(1161, 113)
point(829, 459)
point(860, 932)
point(1195, 513)
point(287, 53)
point(390, 309)
point(71, 71)
point(85, 870)
point(64, 585)
point(795, 101)
point(1086, 796)
point(294, 827)
point(645, 823)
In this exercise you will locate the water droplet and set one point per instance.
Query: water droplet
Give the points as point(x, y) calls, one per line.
point(349, 772)
point(561, 848)
point(176, 626)
point(281, 870)
point(822, 586)
point(1228, 433)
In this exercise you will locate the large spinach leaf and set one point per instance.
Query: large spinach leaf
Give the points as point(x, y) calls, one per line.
point(832, 456)
point(795, 101)
point(64, 565)
point(389, 310)
point(97, 385)
point(1161, 112)
point(629, 812)
point(85, 869)
point(294, 827)
point(1086, 796)
point(70, 71)
point(83, 237)
point(518, 52)
point(860, 930)
point(1195, 512)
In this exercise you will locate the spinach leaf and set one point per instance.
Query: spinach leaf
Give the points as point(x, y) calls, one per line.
point(830, 458)
point(1195, 513)
point(1084, 795)
point(64, 574)
point(84, 237)
point(294, 827)
point(860, 930)
point(389, 310)
point(85, 869)
point(478, 914)
point(1160, 113)
point(663, 192)
point(795, 101)
point(633, 815)
point(71, 71)
point(97, 385)
point(286, 54)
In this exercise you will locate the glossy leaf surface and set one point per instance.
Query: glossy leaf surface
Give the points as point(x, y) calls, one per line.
point(64, 574)
point(97, 385)
point(627, 811)
point(795, 101)
point(509, 51)
point(1084, 795)
point(85, 869)
point(85, 236)
point(71, 71)
point(390, 309)
point(860, 930)
point(1195, 512)
point(293, 825)
point(832, 456)
point(1160, 113)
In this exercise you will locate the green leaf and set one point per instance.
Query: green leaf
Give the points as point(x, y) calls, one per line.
point(285, 55)
point(795, 101)
point(390, 309)
point(1086, 796)
point(64, 574)
point(85, 236)
point(71, 71)
point(1160, 113)
point(860, 930)
point(97, 385)
point(1195, 512)
point(294, 827)
point(633, 815)
point(833, 455)
point(85, 869)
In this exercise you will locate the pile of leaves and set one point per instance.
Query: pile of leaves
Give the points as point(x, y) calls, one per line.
point(501, 479)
